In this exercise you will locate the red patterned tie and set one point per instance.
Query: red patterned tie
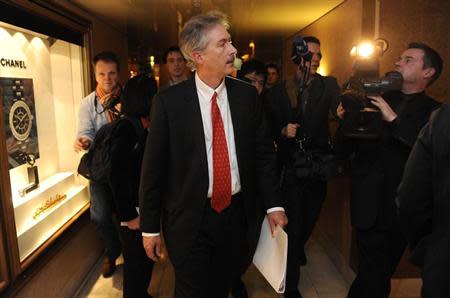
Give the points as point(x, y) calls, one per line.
point(221, 194)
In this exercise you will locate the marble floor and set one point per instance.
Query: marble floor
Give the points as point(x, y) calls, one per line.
point(319, 279)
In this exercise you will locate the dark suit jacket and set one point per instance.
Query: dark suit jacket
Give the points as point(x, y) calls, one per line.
point(424, 202)
point(323, 98)
point(377, 164)
point(174, 180)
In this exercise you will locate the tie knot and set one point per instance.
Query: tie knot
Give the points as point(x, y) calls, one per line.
point(214, 96)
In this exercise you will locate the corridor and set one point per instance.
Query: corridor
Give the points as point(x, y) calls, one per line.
point(320, 279)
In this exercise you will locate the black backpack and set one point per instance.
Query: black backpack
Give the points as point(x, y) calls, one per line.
point(95, 165)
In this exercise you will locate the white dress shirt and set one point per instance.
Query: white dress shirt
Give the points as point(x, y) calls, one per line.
point(205, 94)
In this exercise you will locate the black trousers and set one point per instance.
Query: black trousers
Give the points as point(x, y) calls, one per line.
point(217, 256)
point(379, 252)
point(137, 268)
point(303, 201)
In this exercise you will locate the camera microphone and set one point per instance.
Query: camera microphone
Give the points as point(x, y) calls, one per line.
point(392, 80)
point(300, 51)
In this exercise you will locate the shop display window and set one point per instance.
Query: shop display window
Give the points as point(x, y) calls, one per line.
point(41, 87)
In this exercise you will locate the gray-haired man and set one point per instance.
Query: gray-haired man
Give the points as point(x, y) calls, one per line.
point(207, 154)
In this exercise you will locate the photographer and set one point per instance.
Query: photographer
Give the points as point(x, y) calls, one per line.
point(293, 115)
point(377, 165)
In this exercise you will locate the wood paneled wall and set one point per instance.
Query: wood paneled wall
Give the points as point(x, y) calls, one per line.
point(405, 21)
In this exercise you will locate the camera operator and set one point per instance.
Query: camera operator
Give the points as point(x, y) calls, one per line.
point(423, 203)
point(377, 165)
point(293, 115)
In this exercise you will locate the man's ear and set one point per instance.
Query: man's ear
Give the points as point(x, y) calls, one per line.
point(197, 57)
point(429, 72)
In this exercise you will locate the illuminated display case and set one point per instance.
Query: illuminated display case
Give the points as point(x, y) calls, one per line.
point(42, 83)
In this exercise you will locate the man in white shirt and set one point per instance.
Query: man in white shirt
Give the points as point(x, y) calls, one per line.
point(207, 155)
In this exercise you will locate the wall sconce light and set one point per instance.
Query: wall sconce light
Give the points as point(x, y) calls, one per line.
point(369, 49)
point(152, 61)
point(251, 45)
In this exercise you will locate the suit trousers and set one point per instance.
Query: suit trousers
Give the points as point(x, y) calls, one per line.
point(303, 201)
point(379, 252)
point(137, 268)
point(217, 255)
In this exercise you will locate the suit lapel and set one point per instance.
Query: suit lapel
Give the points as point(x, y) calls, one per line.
point(236, 111)
point(235, 106)
point(194, 120)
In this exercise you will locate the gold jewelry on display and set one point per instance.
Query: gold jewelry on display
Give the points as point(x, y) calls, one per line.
point(49, 204)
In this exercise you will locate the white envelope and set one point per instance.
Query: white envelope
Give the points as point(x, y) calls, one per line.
point(271, 256)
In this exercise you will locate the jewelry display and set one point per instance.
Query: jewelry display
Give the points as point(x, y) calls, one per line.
point(49, 204)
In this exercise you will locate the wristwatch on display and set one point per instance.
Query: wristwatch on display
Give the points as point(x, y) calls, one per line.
point(20, 118)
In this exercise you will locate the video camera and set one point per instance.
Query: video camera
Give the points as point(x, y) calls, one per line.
point(362, 119)
point(300, 51)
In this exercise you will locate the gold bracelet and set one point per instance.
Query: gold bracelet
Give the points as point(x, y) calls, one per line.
point(49, 204)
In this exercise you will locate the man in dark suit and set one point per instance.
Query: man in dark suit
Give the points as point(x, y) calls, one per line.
point(207, 154)
point(424, 205)
point(377, 167)
point(296, 115)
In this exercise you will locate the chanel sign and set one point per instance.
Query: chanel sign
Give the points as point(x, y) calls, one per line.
point(12, 63)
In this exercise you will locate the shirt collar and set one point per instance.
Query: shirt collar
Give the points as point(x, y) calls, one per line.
point(206, 91)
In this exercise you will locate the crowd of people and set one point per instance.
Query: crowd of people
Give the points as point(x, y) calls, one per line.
point(204, 160)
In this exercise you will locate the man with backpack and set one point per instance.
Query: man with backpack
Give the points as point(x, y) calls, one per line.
point(96, 110)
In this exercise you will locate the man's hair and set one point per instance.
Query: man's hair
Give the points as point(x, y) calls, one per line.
point(250, 66)
point(431, 58)
point(312, 39)
point(137, 95)
point(170, 50)
point(272, 65)
point(193, 37)
point(106, 56)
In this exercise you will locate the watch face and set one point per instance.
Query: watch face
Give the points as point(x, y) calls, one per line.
point(20, 120)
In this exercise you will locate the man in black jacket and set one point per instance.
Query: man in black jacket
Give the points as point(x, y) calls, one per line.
point(208, 156)
point(377, 167)
point(295, 115)
point(424, 205)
